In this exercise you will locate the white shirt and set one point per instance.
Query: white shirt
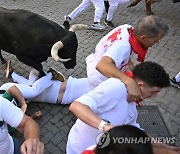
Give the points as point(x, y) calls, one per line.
point(109, 101)
point(114, 45)
point(12, 115)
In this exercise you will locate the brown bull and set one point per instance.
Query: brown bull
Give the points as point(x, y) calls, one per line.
point(148, 5)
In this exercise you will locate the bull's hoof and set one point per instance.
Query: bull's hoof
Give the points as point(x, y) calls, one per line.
point(130, 5)
point(134, 3)
point(36, 115)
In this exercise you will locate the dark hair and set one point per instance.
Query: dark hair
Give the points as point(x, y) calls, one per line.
point(151, 73)
point(151, 26)
point(126, 132)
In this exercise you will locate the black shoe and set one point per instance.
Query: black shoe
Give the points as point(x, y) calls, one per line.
point(175, 83)
point(106, 4)
point(56, 75)
point(9, 69)
point(108, 23)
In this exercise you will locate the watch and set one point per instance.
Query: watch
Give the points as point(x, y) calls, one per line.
point(101, 125)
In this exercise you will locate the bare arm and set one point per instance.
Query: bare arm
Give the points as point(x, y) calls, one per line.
point(30, 129)
point(85, 114)
point(107, 67)
point(16, 93)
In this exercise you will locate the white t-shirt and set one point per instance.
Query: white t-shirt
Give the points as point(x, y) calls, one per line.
point(12, 115)
point(114, 45)
point(109, 101)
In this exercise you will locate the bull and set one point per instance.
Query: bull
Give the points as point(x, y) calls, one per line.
point(32, 39)
point(148, 5)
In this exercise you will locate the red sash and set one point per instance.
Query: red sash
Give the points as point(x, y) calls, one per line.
point(88, 152)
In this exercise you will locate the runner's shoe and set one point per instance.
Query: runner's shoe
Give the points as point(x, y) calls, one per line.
point(9, 69)
point(56, 75)
point(67, 18)
point(97, 26)
point(175, 83)
point(108, 23)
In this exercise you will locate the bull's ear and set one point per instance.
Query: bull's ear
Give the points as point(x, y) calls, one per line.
point(66, 25)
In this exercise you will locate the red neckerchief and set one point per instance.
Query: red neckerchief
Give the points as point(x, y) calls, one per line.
point(136, 46)
point(130, 74)
point(88, 152)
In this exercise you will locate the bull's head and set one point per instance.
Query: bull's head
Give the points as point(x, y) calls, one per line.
point(65, 51)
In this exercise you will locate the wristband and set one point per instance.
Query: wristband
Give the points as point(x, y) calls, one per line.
point(101, 125)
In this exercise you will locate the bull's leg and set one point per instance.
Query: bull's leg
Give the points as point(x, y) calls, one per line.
point(30, 62)
point(3, 61)
point(148, 7)
point(134, 3)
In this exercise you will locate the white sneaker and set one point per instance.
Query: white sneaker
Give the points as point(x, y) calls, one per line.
point(97, 26)
point(67, 18)
point(9, 69)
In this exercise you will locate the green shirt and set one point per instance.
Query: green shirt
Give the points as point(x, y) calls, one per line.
point(7, 96)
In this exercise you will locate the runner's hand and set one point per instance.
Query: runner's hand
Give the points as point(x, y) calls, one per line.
point(134, 93)
point(32, 146)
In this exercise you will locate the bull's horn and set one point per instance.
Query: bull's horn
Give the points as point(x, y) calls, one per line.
point(75, 27)
point(54, 52)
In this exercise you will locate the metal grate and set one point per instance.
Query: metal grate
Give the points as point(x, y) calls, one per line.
point(150, 119)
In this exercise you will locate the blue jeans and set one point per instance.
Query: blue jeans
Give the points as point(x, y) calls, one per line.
point(16, 146)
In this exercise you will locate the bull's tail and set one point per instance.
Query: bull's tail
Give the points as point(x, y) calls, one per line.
point(78, 27)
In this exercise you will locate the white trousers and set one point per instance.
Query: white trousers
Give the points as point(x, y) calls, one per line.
point(29, 91)
point(99, 9)
point(22, 80)
point(74, 89)
point(113, 6)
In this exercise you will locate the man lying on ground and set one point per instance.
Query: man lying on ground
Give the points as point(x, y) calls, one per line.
point(47, 89)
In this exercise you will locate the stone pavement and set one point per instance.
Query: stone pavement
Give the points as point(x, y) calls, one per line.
point(57, 120)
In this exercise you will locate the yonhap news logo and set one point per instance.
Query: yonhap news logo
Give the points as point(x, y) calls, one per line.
point(103, 140)
point(143, 140)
